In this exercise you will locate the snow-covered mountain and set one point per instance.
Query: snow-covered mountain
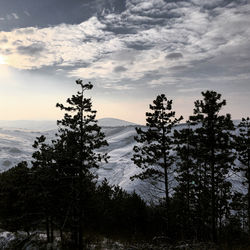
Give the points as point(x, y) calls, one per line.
point(16, 146)
point(29, 124)
point(17, 137)
point(49, 124)
point(113, 122)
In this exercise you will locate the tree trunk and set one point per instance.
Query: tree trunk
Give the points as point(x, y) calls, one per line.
point(51, 230)
point(61, 235)
point(81, 180)
point(47, 229)
point(80, 233)
point(214, 233)
point(248, 195)
point(165, 179)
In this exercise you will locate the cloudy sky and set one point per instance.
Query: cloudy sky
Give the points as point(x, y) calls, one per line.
point(131, 50)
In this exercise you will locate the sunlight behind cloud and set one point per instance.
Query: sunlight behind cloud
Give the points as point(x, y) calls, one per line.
point(5, 70)
point(2, 60)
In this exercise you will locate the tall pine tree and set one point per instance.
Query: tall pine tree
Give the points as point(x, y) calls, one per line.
point(185, 192)
point(153, 153)
point(78, 138)
point(214, 142)
point(243, 150)
point(46, 182)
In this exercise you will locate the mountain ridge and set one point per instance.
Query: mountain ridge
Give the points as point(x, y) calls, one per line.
point(16, 146)
point(51, 124)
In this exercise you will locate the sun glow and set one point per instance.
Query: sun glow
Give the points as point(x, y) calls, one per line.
point(2, 60)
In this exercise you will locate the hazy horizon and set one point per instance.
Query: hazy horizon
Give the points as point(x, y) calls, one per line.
point(130, 50)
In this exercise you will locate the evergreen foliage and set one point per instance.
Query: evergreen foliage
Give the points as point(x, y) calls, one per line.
point(185, 191)
point(214, 159)
point(243, 149)
point(69, 161)
point(153, 153)
point(47, 183)
point(19, 206)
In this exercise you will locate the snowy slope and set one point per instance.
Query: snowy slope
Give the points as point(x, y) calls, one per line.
point(49, 124)
point(29, 124)
point(112, 122)
point(120, 168)
point(16, 145)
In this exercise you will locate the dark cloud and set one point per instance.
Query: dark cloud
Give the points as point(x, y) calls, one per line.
point(119, 69)
point(31, 50)
point(101, 7)
point(179, 68)
point(213, 4)
point(174, 56)
point(140, 46)
point(6, 51)
point(119, 30)
point(17, 42)
point(27, 31)
point(45, 13)
point(3, 40)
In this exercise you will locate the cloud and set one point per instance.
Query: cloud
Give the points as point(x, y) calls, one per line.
point(190, 90)
point(12, 16)
point(119, 69)
point(163, 81)
point(31, 50)
point(175, 55)
point(26, 31)
point(180, 40)
point(15, 16)
point(3, 40)
point(26, 13)
point(116, 86)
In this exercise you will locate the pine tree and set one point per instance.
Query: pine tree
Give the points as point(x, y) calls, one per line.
point(243, 150)
point(214, 142)
point(185, 191)
point(18, 199)
point(153, 152)
point(46, 181)
point(79, 137)
point(239, 206)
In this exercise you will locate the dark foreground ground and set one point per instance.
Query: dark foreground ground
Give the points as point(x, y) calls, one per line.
point(37, 241)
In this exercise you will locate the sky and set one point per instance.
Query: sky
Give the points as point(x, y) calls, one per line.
point(131, 50)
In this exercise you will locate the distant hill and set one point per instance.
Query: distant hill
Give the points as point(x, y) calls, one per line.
point(113, 122)
point(16, 145)
point(44, 125)
point(29, 124)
